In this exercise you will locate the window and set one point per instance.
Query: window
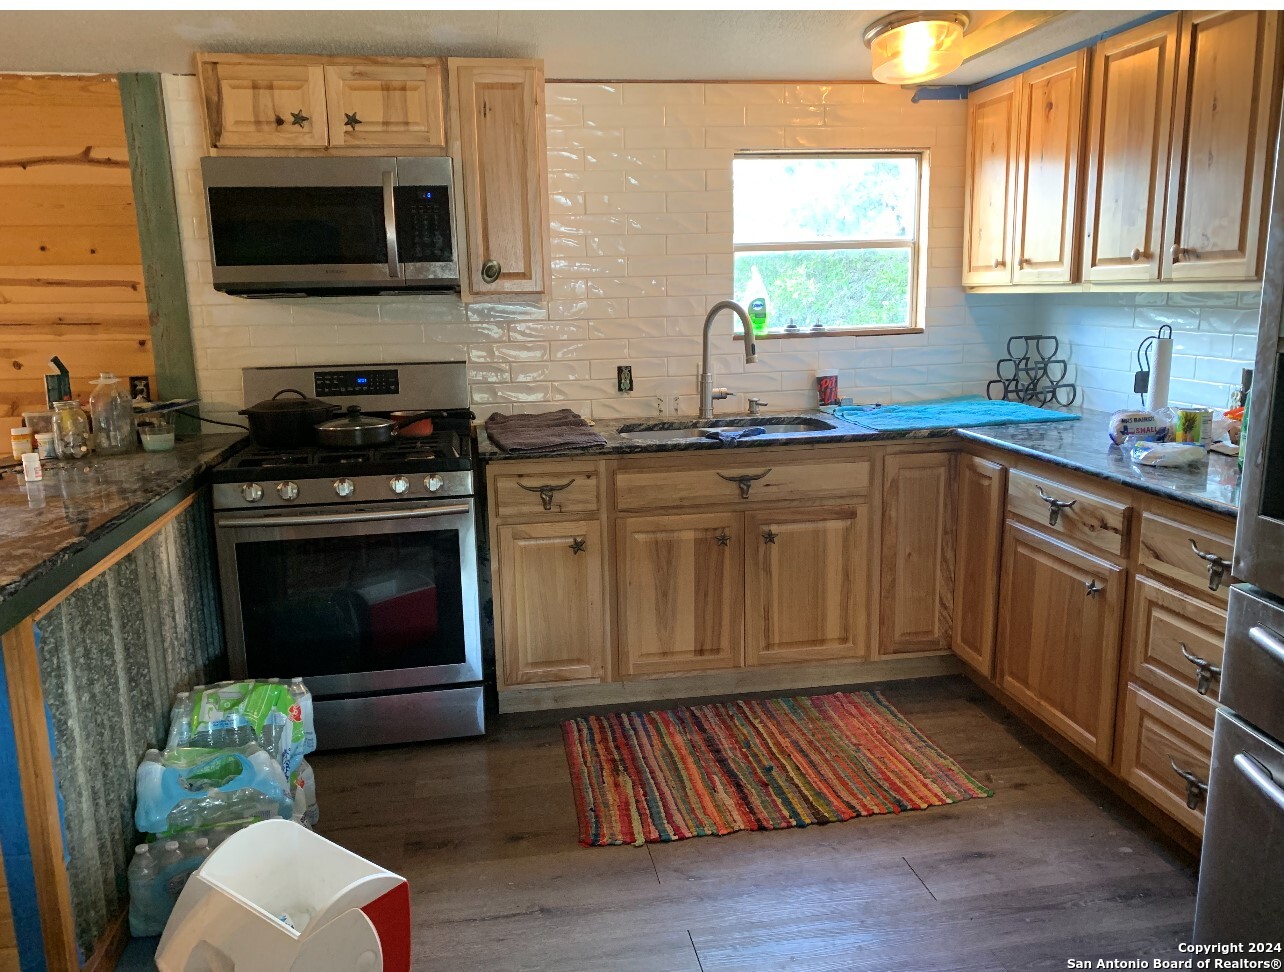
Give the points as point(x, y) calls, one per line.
point(833, 239)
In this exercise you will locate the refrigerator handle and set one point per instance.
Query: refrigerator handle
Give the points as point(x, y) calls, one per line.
point(1261, 778)
point(1267, 640)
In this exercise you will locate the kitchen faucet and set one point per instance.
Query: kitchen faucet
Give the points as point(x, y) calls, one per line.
point(707, 392)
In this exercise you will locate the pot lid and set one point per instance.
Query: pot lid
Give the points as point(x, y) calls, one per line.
point(354, 418)
point(277, 404)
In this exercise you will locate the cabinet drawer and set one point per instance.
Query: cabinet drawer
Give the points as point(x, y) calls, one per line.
point(534, 494)
point(1157, 738)
point(774, 480)
point(1069, 512)
point(1176, 646)
point(1183, 553)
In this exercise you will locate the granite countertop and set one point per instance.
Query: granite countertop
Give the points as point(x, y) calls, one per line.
point(45, 524)
point(1082, 446)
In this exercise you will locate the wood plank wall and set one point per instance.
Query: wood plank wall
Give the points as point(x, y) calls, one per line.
point(71, 278)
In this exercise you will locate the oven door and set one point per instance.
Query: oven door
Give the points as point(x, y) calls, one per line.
point(371, 598)
point(283, 224)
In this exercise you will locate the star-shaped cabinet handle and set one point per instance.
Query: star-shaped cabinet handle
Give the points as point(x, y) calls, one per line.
point(298, 118)
point(350, 120)
point(578, 545)
point(769, 537)
point(723, 538)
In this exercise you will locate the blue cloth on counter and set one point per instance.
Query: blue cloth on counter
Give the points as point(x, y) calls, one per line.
point(732, 433)
point(948, 413)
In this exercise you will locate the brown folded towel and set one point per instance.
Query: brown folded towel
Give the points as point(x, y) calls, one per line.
point(541, 432)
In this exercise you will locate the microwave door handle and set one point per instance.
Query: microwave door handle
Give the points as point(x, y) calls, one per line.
point(390, 224)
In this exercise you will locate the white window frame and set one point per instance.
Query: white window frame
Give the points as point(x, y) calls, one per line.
point(915, 245)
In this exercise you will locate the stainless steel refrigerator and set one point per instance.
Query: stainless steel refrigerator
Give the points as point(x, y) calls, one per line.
point(1241, 876)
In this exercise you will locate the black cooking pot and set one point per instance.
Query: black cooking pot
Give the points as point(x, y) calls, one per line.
point(357, 430)
point(287, 423)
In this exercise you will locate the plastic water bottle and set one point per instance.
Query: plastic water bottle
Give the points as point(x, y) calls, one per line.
point(143, 918)
point(303, 699)
point(180, 721)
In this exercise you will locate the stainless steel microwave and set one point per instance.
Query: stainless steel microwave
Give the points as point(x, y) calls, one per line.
point(290, 227)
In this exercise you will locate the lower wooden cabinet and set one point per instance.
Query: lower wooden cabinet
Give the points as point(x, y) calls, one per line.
point(680, 582)
point(807, 585)
point(1061, 622)
point(978, 554)
point(917, 596)
point(552, 618)
point(1165, 756)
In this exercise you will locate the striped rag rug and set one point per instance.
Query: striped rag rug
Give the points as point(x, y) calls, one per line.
point(646, 777)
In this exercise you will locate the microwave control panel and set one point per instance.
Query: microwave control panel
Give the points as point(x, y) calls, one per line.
point(423, 224)
point(383, 381)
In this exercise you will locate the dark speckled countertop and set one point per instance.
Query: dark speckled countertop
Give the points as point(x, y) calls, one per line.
point(43, 525)
point(1082, 446)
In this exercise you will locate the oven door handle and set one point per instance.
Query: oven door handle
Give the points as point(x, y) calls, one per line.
point(323, 518)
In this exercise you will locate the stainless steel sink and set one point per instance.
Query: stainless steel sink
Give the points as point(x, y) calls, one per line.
point(773, 424)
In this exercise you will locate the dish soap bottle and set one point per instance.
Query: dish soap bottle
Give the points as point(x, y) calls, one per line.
point(113, 416)
point(756, 302)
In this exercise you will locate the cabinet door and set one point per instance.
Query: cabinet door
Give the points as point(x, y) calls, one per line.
point(976, 579)
point(499, 115)
point(386, 104)
point(680, 585)
point(1061, 622)
point(1222, 145)
point(1050, 138)
point(552, 616)
point(989, 184)
point(267, 105)
point(917, 595)
point(1129, 120)
point(807, 583)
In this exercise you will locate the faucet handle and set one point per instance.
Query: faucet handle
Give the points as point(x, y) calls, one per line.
point(720, 393)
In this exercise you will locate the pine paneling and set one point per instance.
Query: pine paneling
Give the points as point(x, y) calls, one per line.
point(71, 279)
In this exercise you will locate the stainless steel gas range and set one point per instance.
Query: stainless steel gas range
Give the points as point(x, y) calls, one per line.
point(357, 568)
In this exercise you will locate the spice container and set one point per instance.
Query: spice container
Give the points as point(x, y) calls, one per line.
point(46, 445)
point(71, 430)
point(21, 442)
point(31, 470)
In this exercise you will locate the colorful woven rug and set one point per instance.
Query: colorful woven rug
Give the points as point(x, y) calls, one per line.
point(646, 777)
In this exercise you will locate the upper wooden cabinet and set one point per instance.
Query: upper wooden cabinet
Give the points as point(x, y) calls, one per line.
point(498, 139)
point(988, 190)
point(263, 104)
point(300, 102)
point(1131, 106)
point(386, 104)
point(1222, 145)
point(1049, 141)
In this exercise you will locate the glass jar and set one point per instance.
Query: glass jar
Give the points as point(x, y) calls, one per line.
point(71, 430)
point(113, 414)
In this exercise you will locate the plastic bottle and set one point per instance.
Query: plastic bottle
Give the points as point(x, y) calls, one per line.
point(113, 415)
point(755, 301)
point(303, 699)
point(180, 722)
point(1243, 429)
point(144, 918)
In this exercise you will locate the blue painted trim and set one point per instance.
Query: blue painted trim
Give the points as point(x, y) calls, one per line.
point(940, 92)
point(18, 868)
point(1089, 42)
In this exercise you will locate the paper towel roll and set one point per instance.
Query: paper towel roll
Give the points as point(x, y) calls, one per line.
point(1161, 370)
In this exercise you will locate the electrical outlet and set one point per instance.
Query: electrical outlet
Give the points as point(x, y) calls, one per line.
point(624, 378)
point(677, 405)
point(659, 405)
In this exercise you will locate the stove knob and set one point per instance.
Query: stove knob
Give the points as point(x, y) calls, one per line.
point(344, 487)
point(434, 483)
point(251, 492)
point(399, 484)
point(287, 491)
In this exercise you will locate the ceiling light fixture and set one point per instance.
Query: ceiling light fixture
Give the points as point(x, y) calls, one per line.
point(914, 46)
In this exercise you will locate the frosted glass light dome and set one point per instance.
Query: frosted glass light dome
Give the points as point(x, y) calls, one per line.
point(912, 47)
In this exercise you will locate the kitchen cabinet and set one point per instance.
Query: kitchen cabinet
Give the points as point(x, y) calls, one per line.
point(1165, 757)
point(499, 143)
point(362, 105)
point(807, 585)
point(917, 567)
point(1222, 142)
point(1129, 125)
point(1175, 647)
point(1050, 103)
point(551, 601)
point(989, 184)
point(392, 105)
point(680, 583)
point(978, 551)
point(271, 104)
point(1061, 621)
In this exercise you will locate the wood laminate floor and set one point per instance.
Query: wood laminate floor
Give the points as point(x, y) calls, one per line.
point(1052, 867)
